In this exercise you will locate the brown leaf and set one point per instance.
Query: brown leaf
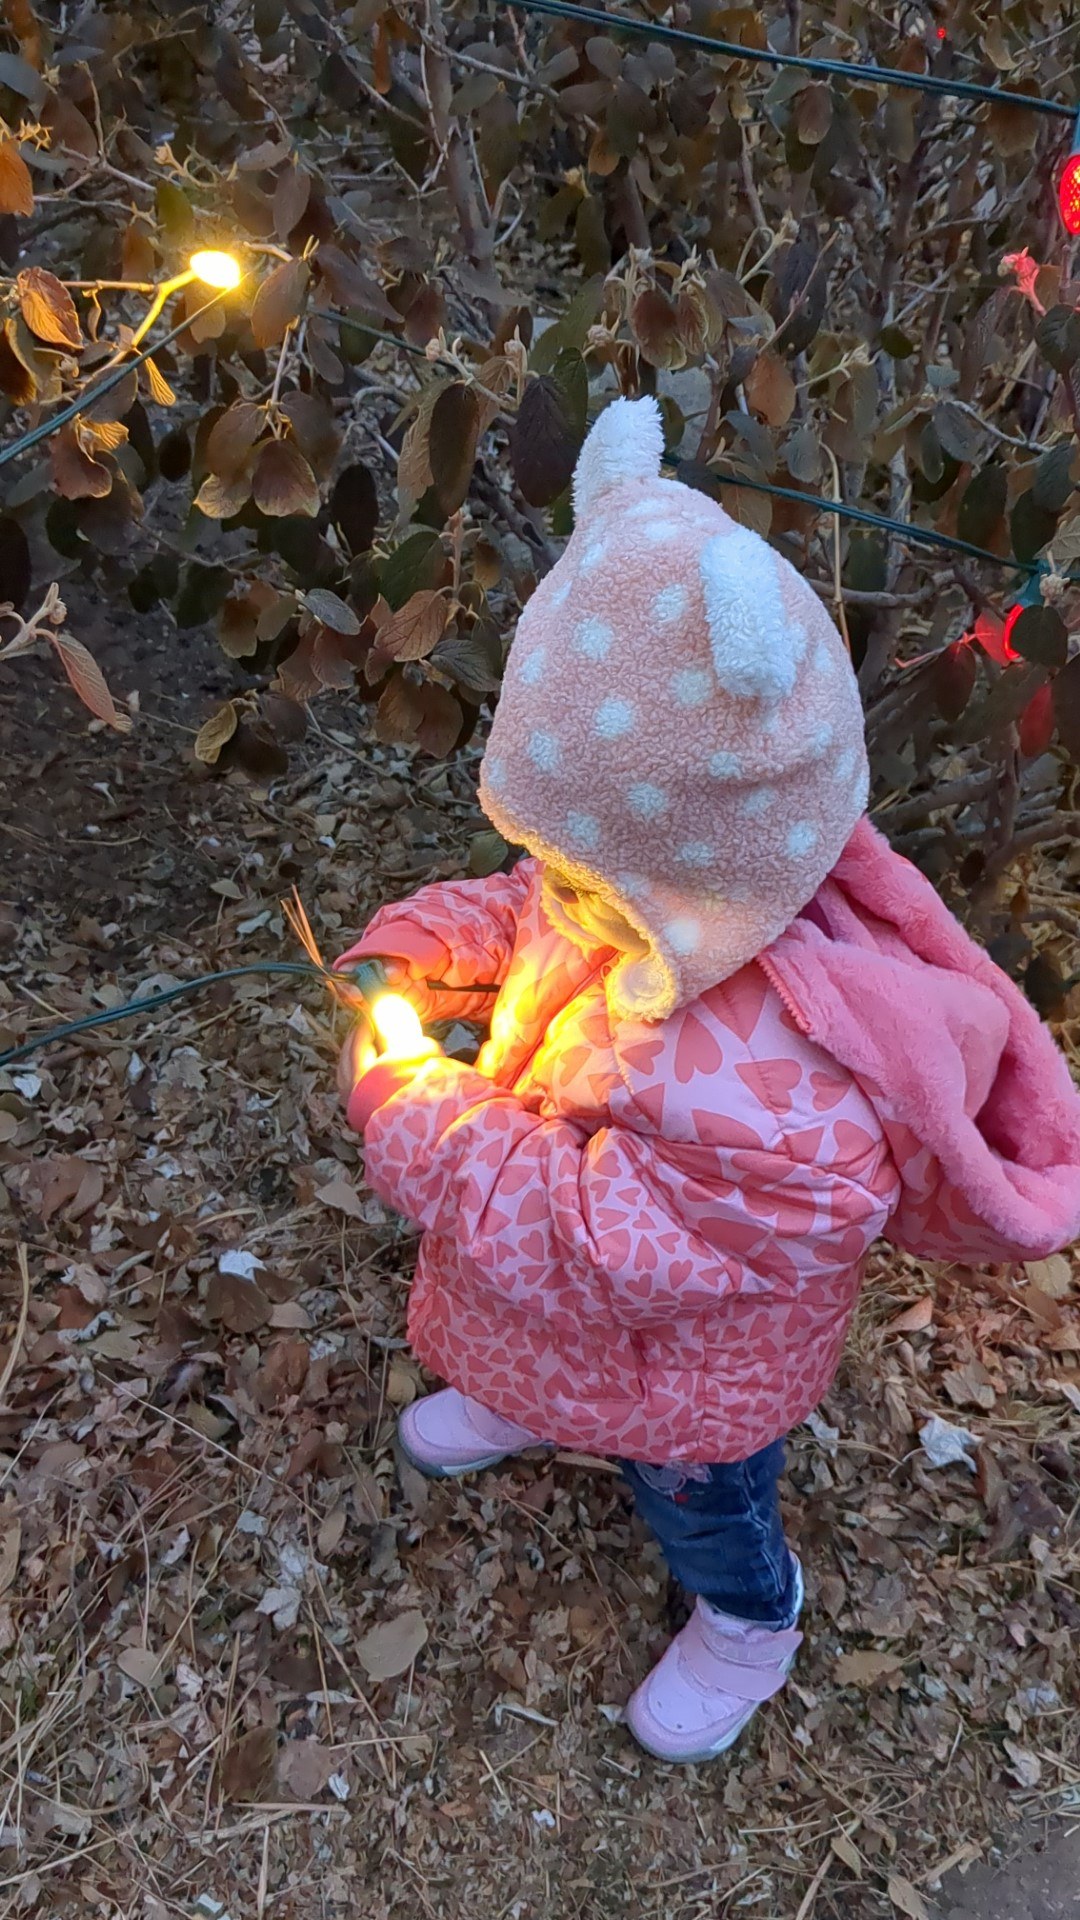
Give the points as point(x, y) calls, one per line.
point(9, 1554)
point(452, 437)
point(76, 474)
point(864, 1667)
point(313, 429)
point(240, 1304)
point(291, 195)
point(331, 610)
point(544, 442)
point(388, 1650)
point(140, 1665)
point(283, 482)
point(412, 632)
point(1053, 1276)
point(17, 380)
point(222, 495)
point(16, 186)
point(160, 391)
point(340, 1193)
point(215, 732)
point(232, 437)
point(48, 308)
point(914, 1319)
point(349, 286)
point(276, 307)
point(813, 113)
point(88, 681)
point(655, 325)
point(770, 389)
point(64, 1181)
point(906, 1898)
point(247, 1770)
point(303, 1769)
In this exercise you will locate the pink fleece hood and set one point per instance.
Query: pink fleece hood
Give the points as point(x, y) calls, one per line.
point(679, 729)
point(981, 1116)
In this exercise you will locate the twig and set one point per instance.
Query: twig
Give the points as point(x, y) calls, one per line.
point(955, 793)
point(20, 1329)
point(807, 1903)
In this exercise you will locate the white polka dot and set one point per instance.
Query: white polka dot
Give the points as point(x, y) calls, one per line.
point(692, 686)
point(532, 669)
point(697, 853)
point(647, 801)
point(660, 532)
point(670, 604)
point(683, 936)
point(584, 831)
point(592, 555)
point(802, 839)
point(757, 802)
point(821, 741)
point(797, 635)
point(559, 595)
point(631, 884)
point(725, 766)
point(614, 718)
point(845, 766)
point(642, 510)
point(494, 771)
point(824, 659)
point(544, 751)
point(593, 638)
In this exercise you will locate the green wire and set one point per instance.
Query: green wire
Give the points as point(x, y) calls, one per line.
point(152, 1001)
point(859, 74)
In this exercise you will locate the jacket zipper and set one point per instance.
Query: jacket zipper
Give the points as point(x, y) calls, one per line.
point(776, 979)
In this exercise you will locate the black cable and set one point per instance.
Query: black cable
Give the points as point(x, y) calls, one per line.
point(47, 428)
point(152, 1001)
point(880, 522)
point(867, 74)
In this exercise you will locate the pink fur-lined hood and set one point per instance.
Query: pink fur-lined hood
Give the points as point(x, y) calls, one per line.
point(976, 1100)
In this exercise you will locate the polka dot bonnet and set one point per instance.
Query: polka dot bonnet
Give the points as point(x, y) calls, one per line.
point(679, 731)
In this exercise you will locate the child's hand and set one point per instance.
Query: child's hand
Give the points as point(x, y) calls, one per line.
point(406, 970)
point(366, 1079)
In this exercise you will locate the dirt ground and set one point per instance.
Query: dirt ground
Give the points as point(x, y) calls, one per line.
point(252, 1666)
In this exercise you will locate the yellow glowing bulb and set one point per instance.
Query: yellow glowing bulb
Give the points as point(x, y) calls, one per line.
point(216, 269)
point(397, 1024)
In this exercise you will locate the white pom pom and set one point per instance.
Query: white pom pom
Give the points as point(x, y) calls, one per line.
point(626, 443)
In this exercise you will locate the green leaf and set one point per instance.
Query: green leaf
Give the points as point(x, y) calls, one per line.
point(487, 852)
point(571, 328)
point(958, 433)
point(1067, 708)
point(1031, 526)
point(354, 507)
point(982, 507)
point(452, 435)
point(1053, 482)
point(896, 343)
point(174, 212)
point(203, 591)
point(416, 563)
point(954, 674)
point(1040, 634)
point(1058, 335)
point(1005, 702)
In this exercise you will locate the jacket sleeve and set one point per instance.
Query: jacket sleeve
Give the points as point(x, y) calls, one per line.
point(583, 1228)
point(461, 932)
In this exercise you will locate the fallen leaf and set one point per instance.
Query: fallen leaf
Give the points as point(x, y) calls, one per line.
point(848, 1853)
point(88, 681)
point(16, 185)
point(1026, 1766)
point(141, 1665)
point(248, 1767)
point(283, 1606)
point(1053, 1276)
point(340, 1193)
point(906, 1898)
point(864, 1667)
point(9, 1555)
point(303, 1768)
point(239, 1304)
point(914, 1319)
point(945, 1445)
point(390, 1649)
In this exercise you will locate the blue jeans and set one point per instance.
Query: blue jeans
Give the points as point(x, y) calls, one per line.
point(722, 1535)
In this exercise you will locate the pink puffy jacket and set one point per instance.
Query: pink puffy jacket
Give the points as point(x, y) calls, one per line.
point(647, 1240)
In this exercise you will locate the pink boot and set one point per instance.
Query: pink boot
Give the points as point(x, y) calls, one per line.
point(709, 1684)
point(448, 1434)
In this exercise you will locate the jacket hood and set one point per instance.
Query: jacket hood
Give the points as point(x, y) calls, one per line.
point(976, 1100)
point(679, 729)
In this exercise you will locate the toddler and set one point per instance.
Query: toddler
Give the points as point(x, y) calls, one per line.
point(736, 1038)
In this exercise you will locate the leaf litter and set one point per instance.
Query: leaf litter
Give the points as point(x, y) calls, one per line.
point(232, 1621)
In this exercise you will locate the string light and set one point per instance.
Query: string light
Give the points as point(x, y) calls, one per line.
point(397, 1025)
point(1069, 187)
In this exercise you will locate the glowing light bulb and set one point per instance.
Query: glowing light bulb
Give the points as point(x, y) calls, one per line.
point(397, 1024)
point(1069, 194)
point(216, 269)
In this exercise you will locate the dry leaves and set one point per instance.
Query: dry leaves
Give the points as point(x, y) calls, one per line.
point(391, 1649)
point(48, 308)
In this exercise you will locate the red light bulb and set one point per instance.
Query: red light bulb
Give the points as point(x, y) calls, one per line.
point(1007, 647)
point(1069, 194)
point(942, 33)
